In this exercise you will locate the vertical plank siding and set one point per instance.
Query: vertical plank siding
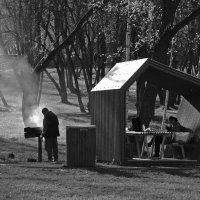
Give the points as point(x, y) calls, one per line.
point(80, 146)
point(108, 116)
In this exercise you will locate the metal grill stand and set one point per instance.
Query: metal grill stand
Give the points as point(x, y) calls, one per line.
point(32, 133)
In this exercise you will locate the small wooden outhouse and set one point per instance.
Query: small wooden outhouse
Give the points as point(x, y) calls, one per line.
point(108, 101)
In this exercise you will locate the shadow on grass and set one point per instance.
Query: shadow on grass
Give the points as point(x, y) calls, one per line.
point(182, 171)
point(142, 172)
point(119, 171)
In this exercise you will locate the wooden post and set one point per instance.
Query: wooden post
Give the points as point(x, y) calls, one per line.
point(128, 32)
point(167, 92)
point(39, 149)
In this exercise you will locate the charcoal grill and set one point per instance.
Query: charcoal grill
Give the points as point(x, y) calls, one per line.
point(32, 132)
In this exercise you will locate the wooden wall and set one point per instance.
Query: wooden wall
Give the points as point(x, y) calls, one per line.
point(80, 146)
point(108, 114)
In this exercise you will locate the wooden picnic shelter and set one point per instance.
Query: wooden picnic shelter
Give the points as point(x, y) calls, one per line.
point(108, 102)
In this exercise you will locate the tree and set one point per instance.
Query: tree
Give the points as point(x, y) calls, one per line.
point(160, 50)
point(68, 41)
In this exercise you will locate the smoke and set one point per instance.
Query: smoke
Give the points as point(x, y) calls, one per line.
point(36, 118)
point(28, 82)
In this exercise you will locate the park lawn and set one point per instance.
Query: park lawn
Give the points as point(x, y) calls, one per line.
point(34, 181)
point(55, 181)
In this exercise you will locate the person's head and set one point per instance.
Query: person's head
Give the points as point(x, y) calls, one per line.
point(173, 120)
point(45, 111)
point(136, 124)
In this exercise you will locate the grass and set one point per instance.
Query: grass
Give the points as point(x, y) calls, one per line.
point(38, 181)
point(45, 181)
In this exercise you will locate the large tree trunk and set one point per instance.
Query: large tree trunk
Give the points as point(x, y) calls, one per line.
point(148, 103)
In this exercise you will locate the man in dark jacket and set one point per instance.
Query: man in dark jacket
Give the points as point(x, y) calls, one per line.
point(50, 133)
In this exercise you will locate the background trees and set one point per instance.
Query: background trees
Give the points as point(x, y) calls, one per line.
point(88, 38)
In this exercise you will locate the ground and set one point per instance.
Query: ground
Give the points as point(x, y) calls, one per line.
point(33, 180)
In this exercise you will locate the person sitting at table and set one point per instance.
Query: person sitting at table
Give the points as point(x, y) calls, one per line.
point(136, 125)
point(174, 126)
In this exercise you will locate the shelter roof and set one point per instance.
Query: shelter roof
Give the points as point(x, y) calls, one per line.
point(119, 75)
point(124, 74)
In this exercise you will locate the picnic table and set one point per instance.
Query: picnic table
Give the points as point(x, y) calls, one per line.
point(145, 134)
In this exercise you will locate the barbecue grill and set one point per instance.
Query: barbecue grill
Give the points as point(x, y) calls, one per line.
point(32, 132)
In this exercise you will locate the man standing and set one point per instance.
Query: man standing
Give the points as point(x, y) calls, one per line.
point(50, 133)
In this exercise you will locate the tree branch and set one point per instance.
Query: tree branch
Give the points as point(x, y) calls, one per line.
point(45, 62)
point(184, 22)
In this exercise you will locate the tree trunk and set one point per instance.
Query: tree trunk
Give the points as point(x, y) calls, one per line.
point(76, 82)
point(146, 112)
point(61, 76)
point(53, 81)
point(140, 95)
point(70, 84)
point(40, 87)
point(63, 89)
point(101, 56)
